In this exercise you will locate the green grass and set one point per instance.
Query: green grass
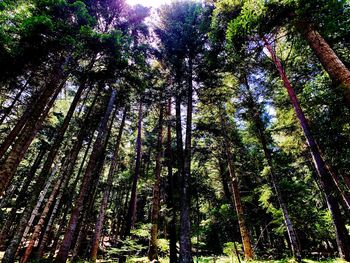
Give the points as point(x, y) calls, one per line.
point(228, 260)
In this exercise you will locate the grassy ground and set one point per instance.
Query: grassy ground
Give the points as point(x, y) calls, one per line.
point(228, 260)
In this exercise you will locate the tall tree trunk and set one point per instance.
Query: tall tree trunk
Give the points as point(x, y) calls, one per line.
point(171, 188)
point(336, 69)
point(97, 150)
point(9, 167)
point(70, 196)
point(56, 239)
point(326, 180)
point(54, 149)
point(24, 225)
point(87, 210)
point(224, 177)
point(248, 252)
point(185, 220)
point(267, 152)
point(37, 230)
point(113, 168)
point(33, 113)
point(21, 198)
point(13, 246)
point(36, 209)
point(153, 243)
point(131, 215)
point(8, 110)
point(45, 236)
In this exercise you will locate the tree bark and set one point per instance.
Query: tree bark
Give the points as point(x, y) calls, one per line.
point(97, 150)
point(261, 134)
point(248, 252)
point(25, 224)
point(113, 168)
point(9, 167)
point(171, 188)
point(8, 110)
point(153, 242)
point(37, 230)
point(325, 177)
point(336, 69)
point(131, 215)
point(33, 113)
point(12, 248)
point(21, 198)
point(185, 220)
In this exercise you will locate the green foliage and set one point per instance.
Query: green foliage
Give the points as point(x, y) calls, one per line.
point(231, 249)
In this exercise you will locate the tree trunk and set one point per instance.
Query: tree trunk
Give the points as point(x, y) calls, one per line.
point(185, 220)
point(97, 150)
point(113, 168)
point(33, 113)
point(89, 202)
point(248, 252)
point(39, 184)
point(326, 180)
point(36, 209)
point(224, 178)
point(131, 215)
point(43, 241)
point(37, 230)
point(59, 137)
point(267, 152)
point(336, 69)
point(9, 167)
point(171, 188)
point(25, 224)
point(8, 110)
point(21, 199)
point(153, 243)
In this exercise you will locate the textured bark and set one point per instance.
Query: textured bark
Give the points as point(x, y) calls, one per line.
point(336, 69)
point(153, 243)
point(325, 177)
point(69, 167)
point(248, 252)
point(97, 150)
point(256, 116)
point(224, 178)
point(9, 167)
point(21, 122)
point(25, 217)
point(87, 210)
point(25, 224)
point(54, 149)
point(185, 220)
point(113, 168)
point(42, 219)
point(33, 113)
point(171, 187)
point(8, 110)
point(45, 237)
point(131, 215)
point(35, 211)
point(21, 198)
point(62, 224)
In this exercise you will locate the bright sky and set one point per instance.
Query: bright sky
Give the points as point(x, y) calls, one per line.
point(151, 3)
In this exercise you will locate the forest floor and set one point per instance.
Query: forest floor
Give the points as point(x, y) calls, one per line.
point(229, 260)
point(217, 260)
